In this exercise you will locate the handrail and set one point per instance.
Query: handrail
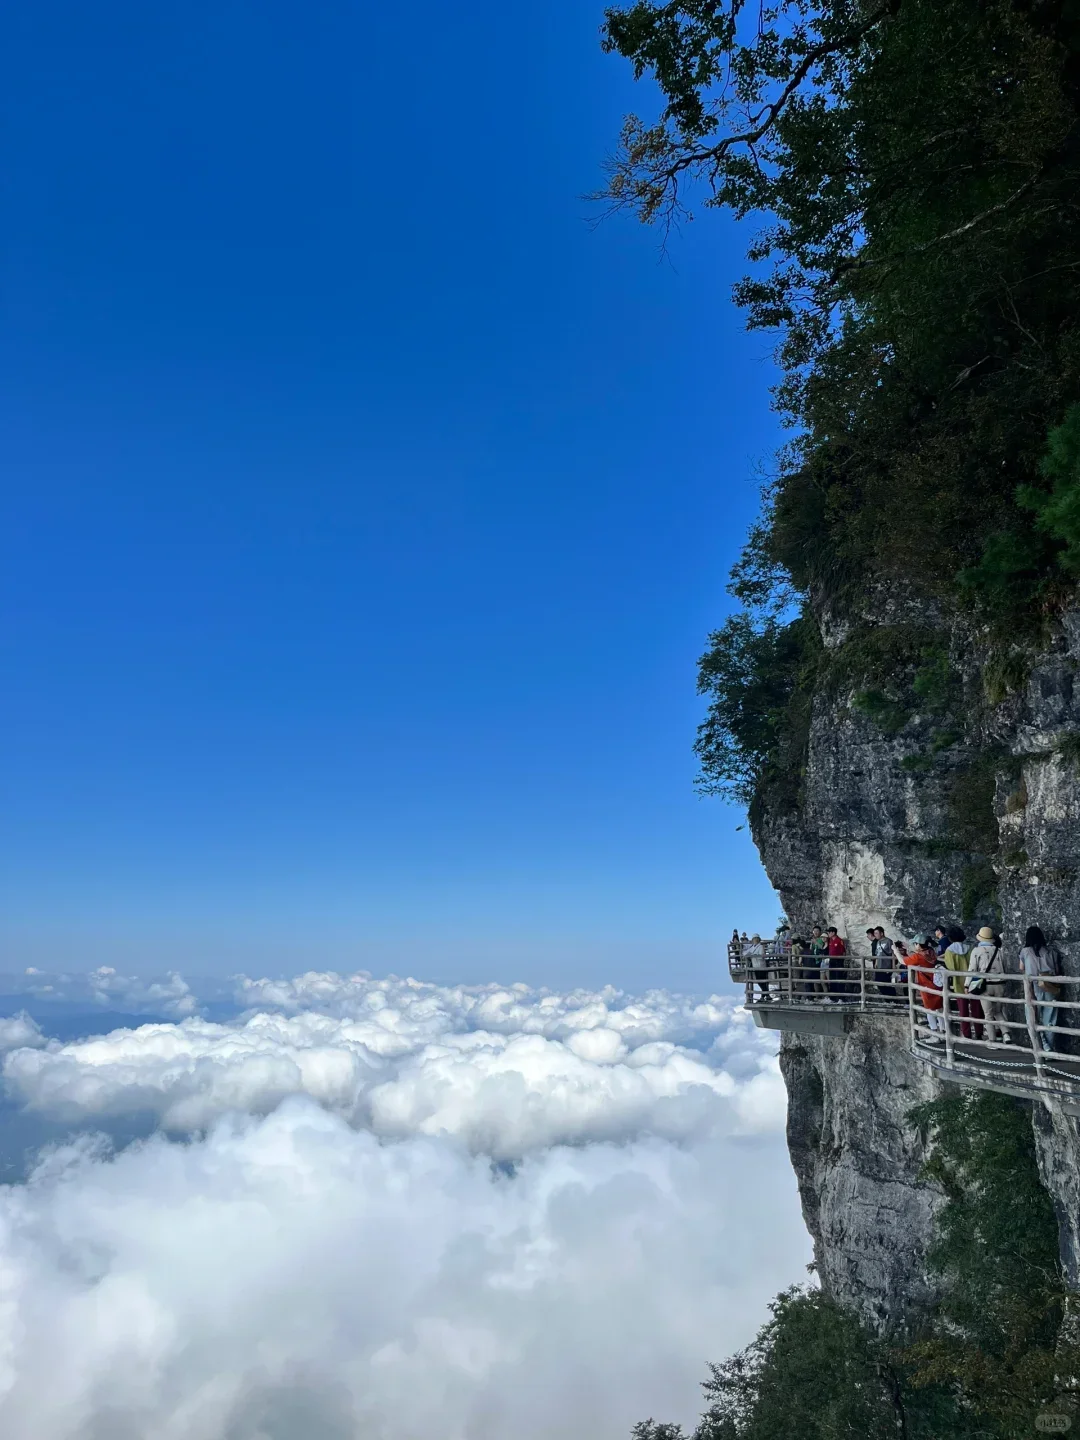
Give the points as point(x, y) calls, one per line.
point(1017, 1036)
point(795, 980)
point(1022, 1043)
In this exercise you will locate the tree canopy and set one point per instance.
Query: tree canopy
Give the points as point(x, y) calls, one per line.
point(989, 1358)
point(914, 168)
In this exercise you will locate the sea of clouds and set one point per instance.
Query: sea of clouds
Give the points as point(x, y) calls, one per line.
point(389, 1209)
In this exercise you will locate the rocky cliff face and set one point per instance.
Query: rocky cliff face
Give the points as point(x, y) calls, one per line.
point(857, 1161)
point(894, 831)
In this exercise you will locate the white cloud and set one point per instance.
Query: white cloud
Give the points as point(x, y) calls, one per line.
point(106, 989)
point(137, 996)
point(292, 1278)
point(508, 1071)
point(342, 1246)
point(18, 1032)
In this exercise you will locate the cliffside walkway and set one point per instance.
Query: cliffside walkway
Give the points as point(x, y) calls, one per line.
point(787, 994)
point(1039, 1059)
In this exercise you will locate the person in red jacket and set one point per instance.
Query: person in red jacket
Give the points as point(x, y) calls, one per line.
point(837, 948)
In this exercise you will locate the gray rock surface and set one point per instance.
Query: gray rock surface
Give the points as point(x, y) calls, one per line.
point(1057, 1138)
point(857, 1160)
point(990, 819)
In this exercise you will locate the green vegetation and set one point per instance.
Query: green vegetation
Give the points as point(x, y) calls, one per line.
point(1057, 513)
point(759, 674)
point(994, 1341)
point(918, 165)
point(983, 1365)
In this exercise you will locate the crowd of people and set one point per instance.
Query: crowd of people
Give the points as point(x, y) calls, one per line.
point(822, 967)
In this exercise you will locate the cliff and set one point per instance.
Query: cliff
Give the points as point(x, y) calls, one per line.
point(989, 828)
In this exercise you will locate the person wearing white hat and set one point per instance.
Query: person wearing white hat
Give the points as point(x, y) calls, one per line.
point(983, 992)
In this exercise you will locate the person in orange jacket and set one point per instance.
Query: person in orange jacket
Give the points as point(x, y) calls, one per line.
point(922, 965)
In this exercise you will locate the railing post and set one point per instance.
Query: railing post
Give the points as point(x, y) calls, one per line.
point(1032, 1026)
point(911, 1005)
point(862, 984)
point(946, 993)
point(789, 969)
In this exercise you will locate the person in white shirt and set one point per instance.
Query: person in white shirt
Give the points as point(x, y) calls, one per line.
point(986, 992)
point(755, 953)
point(1038, 961)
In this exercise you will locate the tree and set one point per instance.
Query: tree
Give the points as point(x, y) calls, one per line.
point(916, 164)
point(996, 1342)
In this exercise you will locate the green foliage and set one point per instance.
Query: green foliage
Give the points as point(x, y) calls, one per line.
point(920, 265)
point(910, 673)
point(978, 892)
point(972, 822)
point(1004, 674)
point(887, 713)
point(933, 681)
point(997, 1340)
point(1011, 576)
point(917, 166)
point(1057, 513)
point(758, 676)
point(990, 1356)
point(918, 764)
point(812, 1360)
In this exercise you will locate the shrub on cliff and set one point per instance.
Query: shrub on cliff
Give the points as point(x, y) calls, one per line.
point(995, 1342)
point(812, 1360)
point(991, 1356)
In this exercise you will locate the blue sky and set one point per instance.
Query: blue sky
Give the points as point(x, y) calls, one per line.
point(365, 510)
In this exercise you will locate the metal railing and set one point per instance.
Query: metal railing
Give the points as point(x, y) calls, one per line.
point(1020, 1033)
point(1015, 1033)
point(773, 977)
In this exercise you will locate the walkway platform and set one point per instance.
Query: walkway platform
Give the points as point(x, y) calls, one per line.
point(987, 1067)
point(809, 1019)
point(795, 993)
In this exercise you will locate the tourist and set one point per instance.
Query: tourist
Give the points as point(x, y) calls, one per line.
point(955, 958)
point(755, 954)
point(941, 938)
point(837, 950)
point(900, 969)
point(881, 949)
point(1037, 960)
point(985, 961)
point(777, 956)
point(802, 975)
point(819, 951)
point(868, 965)
point(923, 964)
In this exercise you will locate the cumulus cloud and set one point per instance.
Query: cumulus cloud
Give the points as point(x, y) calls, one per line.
point(106, 989)
point(505, 1070)
point(19, 1032)
point(401, 1211)
point(294, 1278)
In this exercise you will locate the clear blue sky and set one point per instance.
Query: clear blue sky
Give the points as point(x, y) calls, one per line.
point(364, 510)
